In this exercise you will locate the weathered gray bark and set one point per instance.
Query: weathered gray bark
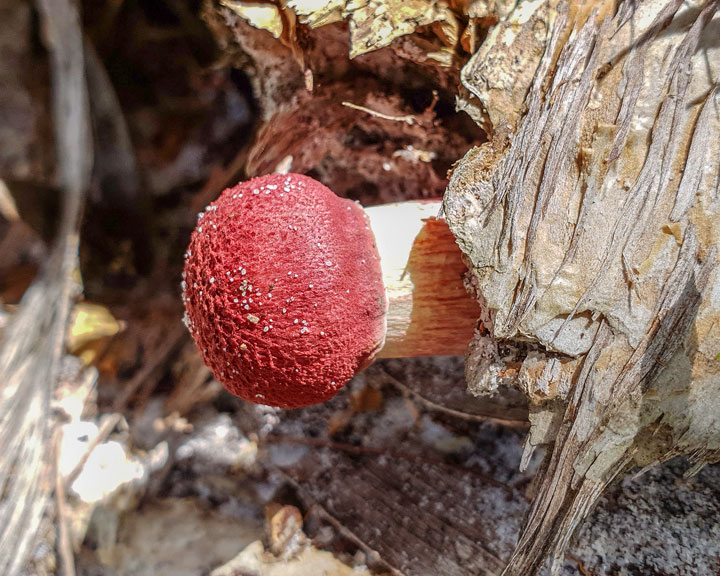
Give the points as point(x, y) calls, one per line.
point(591, 224)
point(32, 345)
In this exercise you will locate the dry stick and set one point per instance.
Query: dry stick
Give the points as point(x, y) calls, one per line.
point(581, 567)
point(219, 179)
point(65, 547)
point(409, 119)
point(8, 208)
point(345, 531)
point(107, 426)
point(156, 359)
point(429, 404)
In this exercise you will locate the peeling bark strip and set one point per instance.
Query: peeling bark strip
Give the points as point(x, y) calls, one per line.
point(592, 224)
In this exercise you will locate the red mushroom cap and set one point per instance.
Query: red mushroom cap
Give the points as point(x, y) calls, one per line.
point(283, 290)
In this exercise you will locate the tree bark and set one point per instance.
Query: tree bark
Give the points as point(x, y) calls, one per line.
point(591, 223)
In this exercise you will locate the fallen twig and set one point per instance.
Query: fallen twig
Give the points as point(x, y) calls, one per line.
point(65, 547)
point(156, 359)
point(430, 405)
point(107, 426)
point(315, 506)
point(409, 119)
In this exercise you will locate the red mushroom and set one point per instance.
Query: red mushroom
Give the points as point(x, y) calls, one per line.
point(284, 295)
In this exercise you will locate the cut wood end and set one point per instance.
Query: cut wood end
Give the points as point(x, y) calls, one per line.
point(430, 313)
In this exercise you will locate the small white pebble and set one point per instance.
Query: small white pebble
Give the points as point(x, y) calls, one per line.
point(212, 279)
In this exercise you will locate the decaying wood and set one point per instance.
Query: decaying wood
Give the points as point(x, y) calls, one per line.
point(304, 79)
point(591, 223)
point(32, 345)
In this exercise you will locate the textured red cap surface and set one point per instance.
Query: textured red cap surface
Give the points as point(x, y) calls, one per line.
point(283, 290)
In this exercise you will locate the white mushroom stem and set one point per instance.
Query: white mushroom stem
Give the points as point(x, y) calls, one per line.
point(430, 312)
